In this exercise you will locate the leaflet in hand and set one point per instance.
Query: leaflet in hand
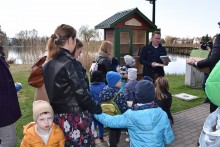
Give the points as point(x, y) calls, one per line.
point(165, 59)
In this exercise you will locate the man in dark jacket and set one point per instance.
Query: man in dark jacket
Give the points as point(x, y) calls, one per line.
point(9, 107)
point(210, 62)
point(150, 57)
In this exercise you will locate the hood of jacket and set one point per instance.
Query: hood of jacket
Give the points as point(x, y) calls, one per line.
point(29, 128)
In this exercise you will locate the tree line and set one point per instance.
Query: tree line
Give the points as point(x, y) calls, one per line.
point(27, 38)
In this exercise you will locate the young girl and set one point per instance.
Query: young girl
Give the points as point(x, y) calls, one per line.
point(163, 97)
point(129, 63)
point(129, 91)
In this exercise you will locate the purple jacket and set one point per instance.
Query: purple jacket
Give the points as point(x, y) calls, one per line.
point(9, 107)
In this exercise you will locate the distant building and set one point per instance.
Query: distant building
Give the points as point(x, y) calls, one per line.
point(196, 40)
point(183, 40)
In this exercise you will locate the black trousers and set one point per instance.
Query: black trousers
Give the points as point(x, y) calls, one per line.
point(213, 107)
point(114, 136)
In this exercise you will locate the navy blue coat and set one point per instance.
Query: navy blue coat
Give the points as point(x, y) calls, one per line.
point(9, 107)
point(151, 54)
point(213, 57)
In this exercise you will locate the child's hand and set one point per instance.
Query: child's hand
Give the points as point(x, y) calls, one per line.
point(125, 76)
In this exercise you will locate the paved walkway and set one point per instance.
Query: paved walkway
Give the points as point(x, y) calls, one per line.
point(187, 128)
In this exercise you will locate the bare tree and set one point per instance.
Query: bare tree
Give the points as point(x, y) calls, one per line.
point(87, 34)
point(169, 39)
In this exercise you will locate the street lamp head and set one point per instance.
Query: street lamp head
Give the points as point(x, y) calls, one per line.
point(151, 1)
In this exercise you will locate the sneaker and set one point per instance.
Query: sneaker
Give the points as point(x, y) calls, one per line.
point(108, 143)
point(127, 139)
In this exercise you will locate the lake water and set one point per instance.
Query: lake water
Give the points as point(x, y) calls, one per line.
point(30, 55)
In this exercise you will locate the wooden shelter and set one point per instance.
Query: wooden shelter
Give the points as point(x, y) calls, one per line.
point(129, 32)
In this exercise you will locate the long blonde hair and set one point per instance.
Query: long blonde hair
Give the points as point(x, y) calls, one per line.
point(161, 86)
point(62, 33)
point(106, 47)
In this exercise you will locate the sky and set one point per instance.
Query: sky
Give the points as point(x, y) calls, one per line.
point(177, 18)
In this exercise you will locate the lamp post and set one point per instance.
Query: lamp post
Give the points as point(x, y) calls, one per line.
point(153, 15)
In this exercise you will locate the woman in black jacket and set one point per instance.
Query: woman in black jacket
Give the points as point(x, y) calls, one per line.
point(104, 58)
point(67, 89)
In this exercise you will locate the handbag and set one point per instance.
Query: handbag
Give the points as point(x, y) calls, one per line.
point(36, 73)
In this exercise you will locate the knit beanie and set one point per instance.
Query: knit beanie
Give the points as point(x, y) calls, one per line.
point(132, 73)
point(41, 106)
point(96, 76)
point(129, 60)
point(144, 91)
point(112, 78)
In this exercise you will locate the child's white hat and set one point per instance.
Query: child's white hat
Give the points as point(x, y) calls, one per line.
point(129, 60)
point(132, 73)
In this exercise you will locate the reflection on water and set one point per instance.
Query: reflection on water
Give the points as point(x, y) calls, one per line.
point(26, 55)
point(177, 64)
point(30, 54)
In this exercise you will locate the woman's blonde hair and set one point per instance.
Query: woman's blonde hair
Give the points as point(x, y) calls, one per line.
point(106, 47)
point(161, 86)
point(58, 39)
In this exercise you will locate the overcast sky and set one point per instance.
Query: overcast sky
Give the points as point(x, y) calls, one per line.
point(178, 18)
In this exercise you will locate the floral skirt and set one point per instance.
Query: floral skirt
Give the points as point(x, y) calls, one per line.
point(78, 128)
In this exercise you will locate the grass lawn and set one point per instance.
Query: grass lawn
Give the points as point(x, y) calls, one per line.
point(26, 95)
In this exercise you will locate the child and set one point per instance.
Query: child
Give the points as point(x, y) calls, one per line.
point(129, 86)
point(96, 86)
point(129, 89)
point(148, 124)
point(115, 64)
point(42, 132)
point(163, 97)
point(113, 88)
point(129, 63)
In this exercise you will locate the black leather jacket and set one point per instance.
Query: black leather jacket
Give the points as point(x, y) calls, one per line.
point(66, 85)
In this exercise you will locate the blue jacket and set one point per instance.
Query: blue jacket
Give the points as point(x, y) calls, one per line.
point(147, 128)
point(95, 89)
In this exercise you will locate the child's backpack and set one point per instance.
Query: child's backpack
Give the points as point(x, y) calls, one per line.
point(93, 67)
point(110, 107)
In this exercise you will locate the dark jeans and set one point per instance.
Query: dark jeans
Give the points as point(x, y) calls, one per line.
point(114, 136)
point(203, 84)
point(213, 107)
point(100, 127)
